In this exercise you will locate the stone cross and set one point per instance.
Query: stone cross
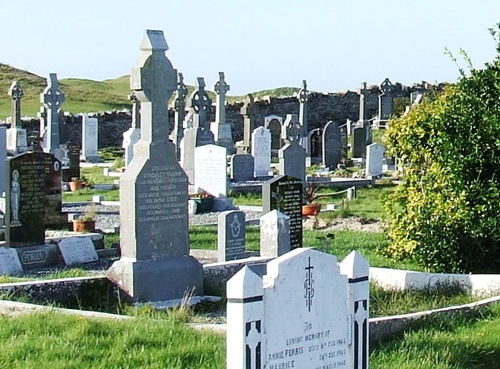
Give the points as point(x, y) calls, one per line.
point(247, 110)
point(180, 110)
point(362, 102)
point(386, 87)
point(386, 104)
point(292, 132)
point(153, 82)
point(16, 92)
point(221, 88)
point(200, 103)
point(303, 99)
point(136, 111)
point(52, 98)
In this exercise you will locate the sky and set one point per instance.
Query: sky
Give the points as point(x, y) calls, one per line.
point(334, 45)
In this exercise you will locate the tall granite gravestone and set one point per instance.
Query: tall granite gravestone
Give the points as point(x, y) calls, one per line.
point(90, 136)
point(303, 97)
point(3, 157)
point(374, 159)
point(359, 141)
point(231, 235)
point(25, 200)
point(54, 217)
point(275, 125)
point(261, 151)
point(332, 152)
point(73, 165)
point(242, 167)
point(274, 234)
point(155, 264)
point(307, 311)
point(315, 153)
point(199, 134)
point(363, 93)
point(17, 141)
point(385, 100)
point(211, 170)
point(292, 157)
point(180, 112)
point(133, 134)
point(284, 193)
point(248, 111)
point(52, 98)
point(222, 130)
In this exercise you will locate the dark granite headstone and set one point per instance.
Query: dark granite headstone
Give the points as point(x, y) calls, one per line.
point(284, 193)
point(73, 166)
point(359, 141)
point(275, 127)
point(242, 167)
point(54, 217)
point(332, 149)
point(315, 145)
point(25, 200)
point(231, 235)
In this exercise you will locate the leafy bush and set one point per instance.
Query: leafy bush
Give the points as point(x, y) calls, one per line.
point(446, 214)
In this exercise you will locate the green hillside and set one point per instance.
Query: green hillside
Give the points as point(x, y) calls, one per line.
point(84, 95)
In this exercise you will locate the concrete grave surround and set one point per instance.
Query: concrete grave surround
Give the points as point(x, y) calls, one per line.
point(261, 151)
point(231, 233)
point(242, 167)
point(211, 170)
point(52, 98)
point(374, 159)
point(274, 234)
point(331, 145)
point(284, 193)
point(90, 134)
point(155, 264)
point(77, 250)
point(307, 311)
point(9, 261)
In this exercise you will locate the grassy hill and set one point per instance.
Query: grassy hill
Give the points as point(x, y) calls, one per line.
point(84, 95)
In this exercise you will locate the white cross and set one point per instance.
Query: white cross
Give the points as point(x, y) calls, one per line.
point(360, 317)
point(16, 92)
point(252, 341)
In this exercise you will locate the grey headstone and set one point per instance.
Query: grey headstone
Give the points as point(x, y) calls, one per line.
point(284, 193)
point(374, 159)
point(77, 250)
point(155, 263)
point(242, 167)
point(386, 102)
point(248, 111)
point(261, 151)
point(193, 138)
point(9, 261)
point(90, 136)
point(332, 149)
point(292, 157)
point(359, 141)
point(315, 152)
point(231, 235)
point(274, 234)
point(52, 98)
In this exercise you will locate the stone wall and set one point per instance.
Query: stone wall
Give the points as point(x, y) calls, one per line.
point(321, 108)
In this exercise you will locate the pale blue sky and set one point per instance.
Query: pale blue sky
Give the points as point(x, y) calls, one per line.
point(259, 44)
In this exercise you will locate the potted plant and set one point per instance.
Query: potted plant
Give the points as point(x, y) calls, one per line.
point(85, 223)
point(75, 184)
point(310, 195)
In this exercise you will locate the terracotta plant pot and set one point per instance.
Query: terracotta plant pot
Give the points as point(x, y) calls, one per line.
point(311, 209)
point(75, 185)
point(80, 225)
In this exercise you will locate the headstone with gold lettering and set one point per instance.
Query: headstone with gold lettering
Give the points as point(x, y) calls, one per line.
point(155, 263)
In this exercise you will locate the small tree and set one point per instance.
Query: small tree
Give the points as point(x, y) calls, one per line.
point(446, 214)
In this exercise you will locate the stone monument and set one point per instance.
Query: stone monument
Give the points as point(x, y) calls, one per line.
point(247, 110)
point(261, 151)
point(17, 141)
point(90, 138)
point(385, 100)
point(52, 98)
point(155, 264)
point(222, 130)
point(180, 113)
point(292, 157)
point(303, 98)
point(332, 149)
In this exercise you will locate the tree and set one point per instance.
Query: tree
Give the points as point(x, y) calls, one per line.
point(446, 214)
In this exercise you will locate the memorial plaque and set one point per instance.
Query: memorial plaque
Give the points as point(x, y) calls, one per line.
point(284, 193)
point(78, 250)
point(25, 200)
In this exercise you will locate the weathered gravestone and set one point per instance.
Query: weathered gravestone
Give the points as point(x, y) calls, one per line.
point(222, 130)
point(386, 100)
point(292, 156)
point(274, 234)
point(180, 113)
point(155, 263)
point(332, 147)
point(307, 311)
point(17, 141)
point(211, 170)
point(90, 138)
point(303, 97)
point(261, 151)
point(248, 112)
point(52, 98)
point(9, 261)
point(242, 167)
point(275, 125)
point(231, 235)
point(359, 141)
point(315, 146)
point(77, 250)
point(374, 159)
point(73, 165)
point(284, 193)
point(133, 134)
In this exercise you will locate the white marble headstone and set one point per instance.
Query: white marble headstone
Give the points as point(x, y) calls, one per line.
point(89, 138)
point(374, 159)
point(261, 151)
point(210, 165)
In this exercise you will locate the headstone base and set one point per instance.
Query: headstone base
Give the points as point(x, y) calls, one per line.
point(157, 280)
point(40, 256)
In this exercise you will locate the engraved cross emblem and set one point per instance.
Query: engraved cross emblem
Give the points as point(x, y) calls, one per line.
point(253, 344)
point(235, 226)
point(309, 285)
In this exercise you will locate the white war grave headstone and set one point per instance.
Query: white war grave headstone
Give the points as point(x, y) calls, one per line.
point(222, 130)
point(261, 151)
point(155, 264)
point(90, 136)
point(374, 159)
point(17, 141)
point(231, 233)
point(274, 234)
point(307, 311)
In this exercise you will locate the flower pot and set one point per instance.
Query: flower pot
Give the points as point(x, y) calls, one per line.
point(311, 209)
point(75, 185)
point(80, 225)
